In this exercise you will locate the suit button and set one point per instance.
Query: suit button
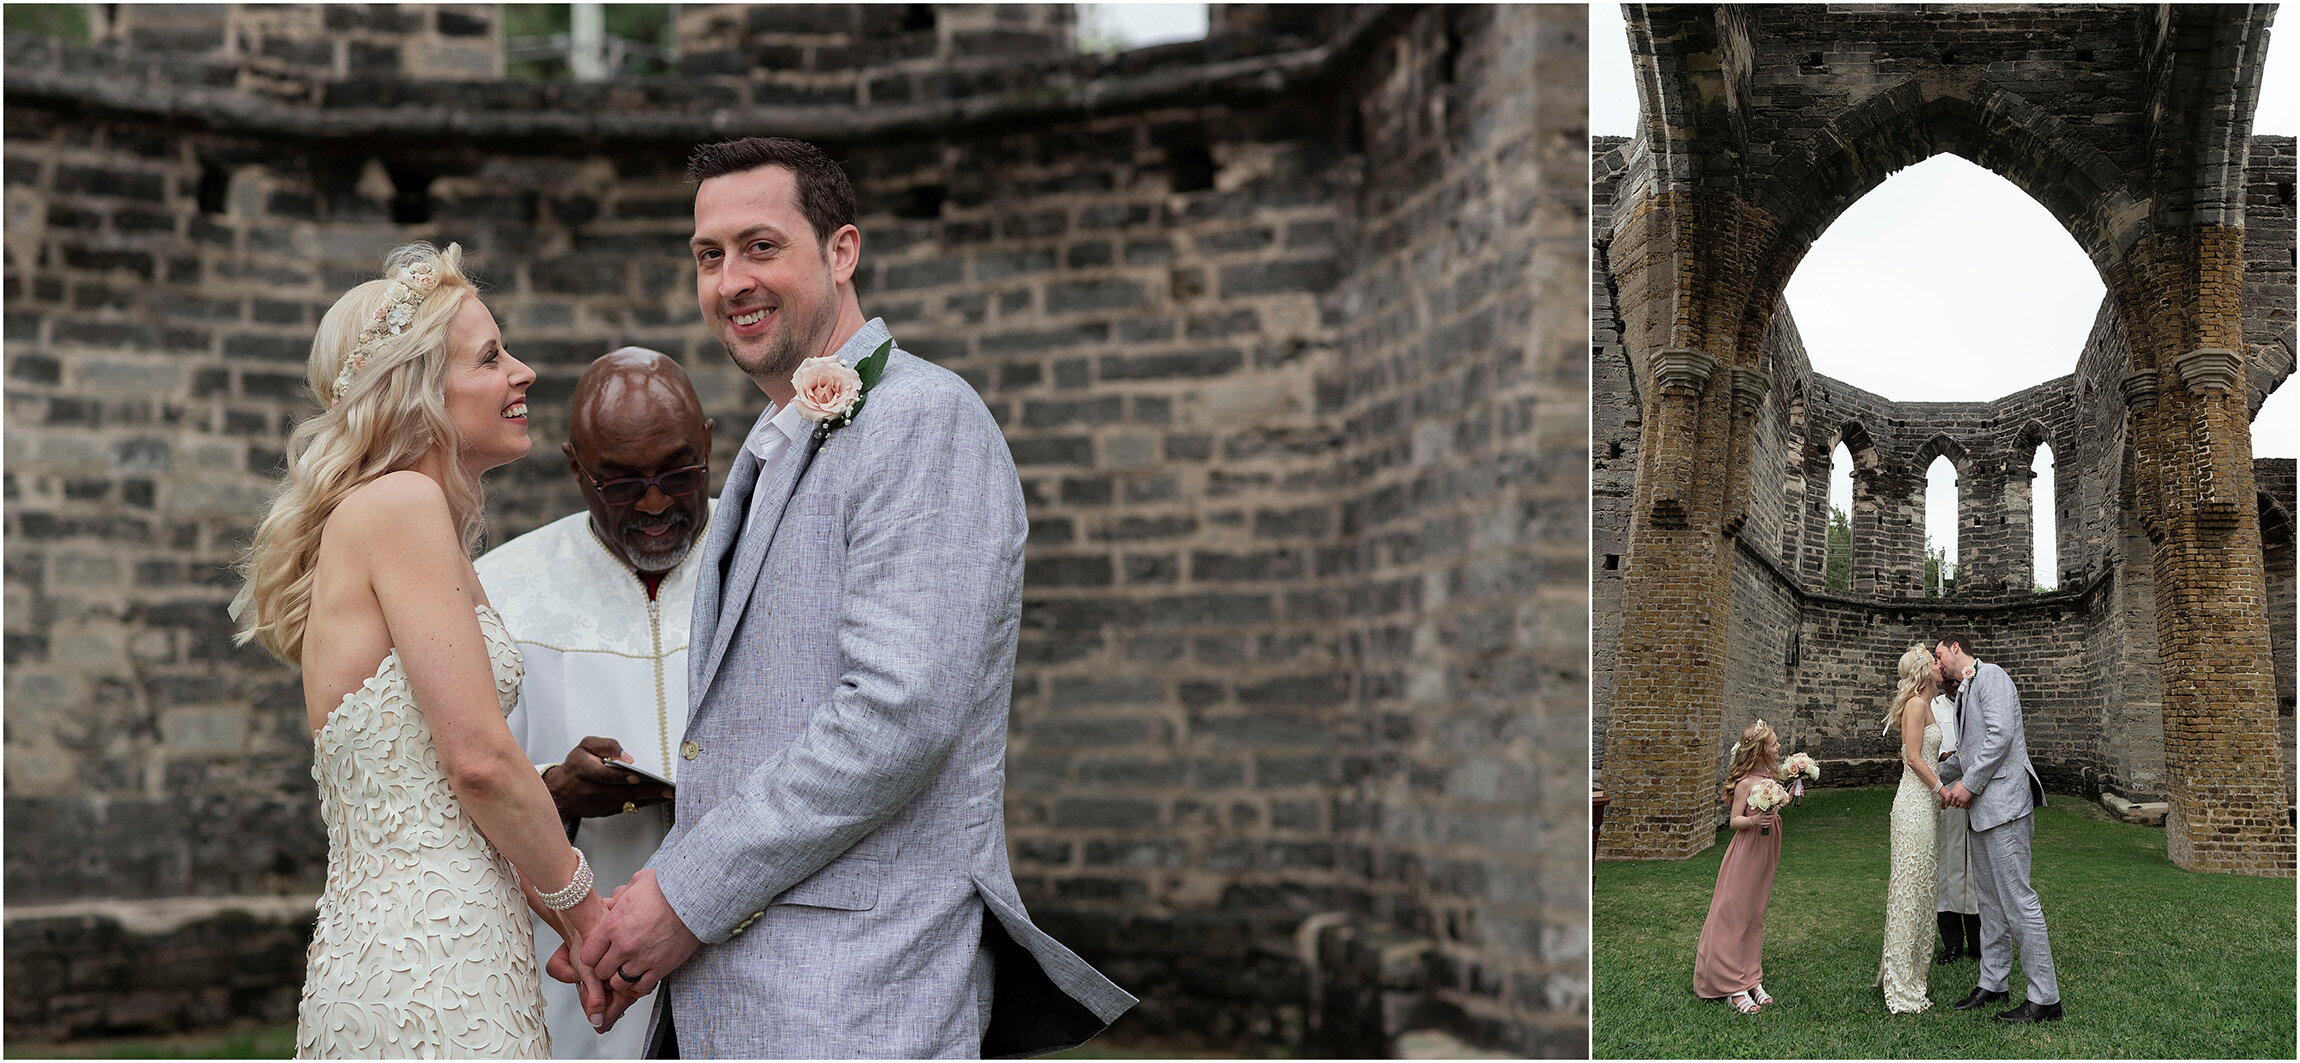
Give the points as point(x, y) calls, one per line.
point(690, 750)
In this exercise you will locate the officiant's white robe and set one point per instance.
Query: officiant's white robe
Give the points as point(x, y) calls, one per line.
point(601, 659)
point(1955, 892)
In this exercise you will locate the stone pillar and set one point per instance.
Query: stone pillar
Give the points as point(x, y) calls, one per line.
point(2177, 293)
point(1661, 739)
point(2016, 568)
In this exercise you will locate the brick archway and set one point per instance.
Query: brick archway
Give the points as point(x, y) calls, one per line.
point(1751, 143)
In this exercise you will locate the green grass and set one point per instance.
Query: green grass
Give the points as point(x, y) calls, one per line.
point(260, 1042)
point(2154, 962)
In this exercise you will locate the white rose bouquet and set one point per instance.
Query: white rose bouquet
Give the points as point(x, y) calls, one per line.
point(1798, 768)
point(1766, 796)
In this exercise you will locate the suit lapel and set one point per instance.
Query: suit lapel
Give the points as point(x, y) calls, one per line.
point(711, 570)
point(750, 551)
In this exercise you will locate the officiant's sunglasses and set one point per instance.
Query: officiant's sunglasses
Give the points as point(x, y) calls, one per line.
point(626, 490)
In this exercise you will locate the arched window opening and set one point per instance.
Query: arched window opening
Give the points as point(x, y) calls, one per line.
point(1941, 509)
point(2276, 428)
point(1837, 567)
point(1106, 28)
point(1870, 294)
point(2046, 526)
point(588, 42)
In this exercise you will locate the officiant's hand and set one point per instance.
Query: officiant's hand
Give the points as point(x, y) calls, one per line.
point(1956, 796)
point(639, 942)
point(587, 786)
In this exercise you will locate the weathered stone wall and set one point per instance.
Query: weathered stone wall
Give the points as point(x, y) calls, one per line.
point(1283, 328)
point(2276, 479)
point(1462, 399)
point(1615, 409)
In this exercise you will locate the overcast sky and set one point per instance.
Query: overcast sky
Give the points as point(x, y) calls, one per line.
point(1892, 298)
point(1142, 25)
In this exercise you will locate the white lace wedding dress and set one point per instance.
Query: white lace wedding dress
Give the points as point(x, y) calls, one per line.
point(423, 947)
point(1909, 892)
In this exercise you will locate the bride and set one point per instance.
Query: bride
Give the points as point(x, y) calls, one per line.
point(437, 824)
point(1916, 808)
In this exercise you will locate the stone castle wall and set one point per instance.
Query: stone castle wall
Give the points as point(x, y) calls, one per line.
point(1817, 662)
point(1282, 326)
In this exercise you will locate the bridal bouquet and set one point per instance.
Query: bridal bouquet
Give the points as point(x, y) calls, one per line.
point(1766, 796)
point(1798, 768)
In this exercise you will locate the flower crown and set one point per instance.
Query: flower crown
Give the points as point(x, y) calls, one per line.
point(407, 292)
point(1762, 728)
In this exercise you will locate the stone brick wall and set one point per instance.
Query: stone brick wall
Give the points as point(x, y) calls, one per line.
point(1615, 409)
point(1283, 328)
point(2276, 480)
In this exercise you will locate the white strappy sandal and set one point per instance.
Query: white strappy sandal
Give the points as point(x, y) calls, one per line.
point(1758, 994)
point(1744, 1004)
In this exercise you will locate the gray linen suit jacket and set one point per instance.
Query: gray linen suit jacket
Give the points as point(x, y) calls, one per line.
point(841, 832)
point(1994, 748)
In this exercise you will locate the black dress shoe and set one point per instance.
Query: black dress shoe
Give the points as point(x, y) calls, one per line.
point(2031, 1011)
point(1952, 940)
point(1983, 998)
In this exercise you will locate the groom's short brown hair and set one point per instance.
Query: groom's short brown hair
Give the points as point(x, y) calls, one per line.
point(826, 197)
point(1958, 639)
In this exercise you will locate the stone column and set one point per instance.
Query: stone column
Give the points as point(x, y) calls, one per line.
point(1661, 739)
point(2177, 293)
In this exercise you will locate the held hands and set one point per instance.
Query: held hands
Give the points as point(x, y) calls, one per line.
point(575, 925)
point(587, 786)
point(639, 942)
point(1956, 796)
point(602, 1000)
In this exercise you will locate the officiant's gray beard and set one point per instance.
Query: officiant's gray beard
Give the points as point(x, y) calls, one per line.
point(654, 566)
point(657, 563)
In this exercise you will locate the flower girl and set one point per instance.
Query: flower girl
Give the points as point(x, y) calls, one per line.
point(1727, 964)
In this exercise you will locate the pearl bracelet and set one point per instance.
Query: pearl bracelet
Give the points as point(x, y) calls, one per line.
point(573, 893)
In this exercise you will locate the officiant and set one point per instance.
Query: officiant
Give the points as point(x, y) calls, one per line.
point(599, 603)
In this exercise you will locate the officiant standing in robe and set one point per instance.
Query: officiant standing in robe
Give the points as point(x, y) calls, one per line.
point(599, 603)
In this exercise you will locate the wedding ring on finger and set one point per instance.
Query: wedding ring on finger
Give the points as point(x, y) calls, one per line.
point(627, 976)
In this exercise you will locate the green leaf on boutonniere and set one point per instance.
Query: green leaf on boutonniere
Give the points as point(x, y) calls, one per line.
point(870, 368)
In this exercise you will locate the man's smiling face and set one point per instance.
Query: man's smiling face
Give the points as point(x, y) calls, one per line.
point(768, 287)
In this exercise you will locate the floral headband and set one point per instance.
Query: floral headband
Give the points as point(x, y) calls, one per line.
point(1762, 728)
point(407, 292)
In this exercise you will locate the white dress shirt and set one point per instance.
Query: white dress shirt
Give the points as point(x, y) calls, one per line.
point(772, 436)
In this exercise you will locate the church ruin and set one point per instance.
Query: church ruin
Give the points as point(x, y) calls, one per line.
point(2160, 666)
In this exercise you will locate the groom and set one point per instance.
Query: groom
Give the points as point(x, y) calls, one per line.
point(836, 883)
point(2000, 793)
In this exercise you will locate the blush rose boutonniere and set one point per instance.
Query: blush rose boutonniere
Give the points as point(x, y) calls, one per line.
point(830, 393)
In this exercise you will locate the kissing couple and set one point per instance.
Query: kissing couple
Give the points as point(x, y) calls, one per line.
point(835, 881)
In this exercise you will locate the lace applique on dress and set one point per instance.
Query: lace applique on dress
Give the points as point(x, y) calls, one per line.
point(1909, 893)
point(423, 947)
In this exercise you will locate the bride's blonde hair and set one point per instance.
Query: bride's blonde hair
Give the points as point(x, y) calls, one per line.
point(1749, 758)
point(392, 412)
point(1916, 673)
